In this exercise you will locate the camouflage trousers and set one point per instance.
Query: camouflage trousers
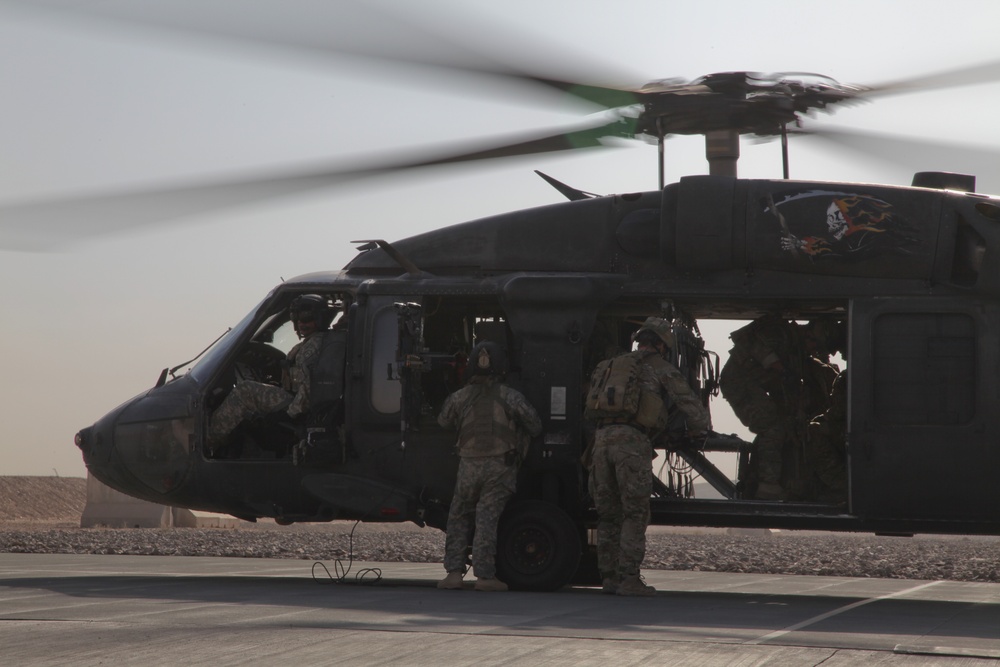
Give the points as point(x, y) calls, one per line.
point(825, 454)
point(621, 482)
point(247, 399)
point(762, 415)
point(484, 485)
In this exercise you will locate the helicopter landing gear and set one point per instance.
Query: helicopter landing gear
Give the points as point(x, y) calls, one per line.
point(538, 547)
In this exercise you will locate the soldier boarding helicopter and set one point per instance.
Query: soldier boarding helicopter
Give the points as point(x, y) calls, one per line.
point(906, 270)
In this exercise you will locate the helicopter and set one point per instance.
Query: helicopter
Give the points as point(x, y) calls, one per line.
point(905, 268)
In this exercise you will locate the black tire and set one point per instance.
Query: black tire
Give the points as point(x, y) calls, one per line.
point(538, 547)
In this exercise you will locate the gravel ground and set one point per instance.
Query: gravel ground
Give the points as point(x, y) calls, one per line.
point(42, 515)
point(846, 555)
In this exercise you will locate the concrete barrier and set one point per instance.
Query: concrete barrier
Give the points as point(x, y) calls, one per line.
point(114, 509)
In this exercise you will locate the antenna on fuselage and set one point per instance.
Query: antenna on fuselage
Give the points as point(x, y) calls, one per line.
point(397, 256)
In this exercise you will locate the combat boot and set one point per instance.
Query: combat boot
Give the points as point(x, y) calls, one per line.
point(452, 582)
point(634, 586)
point(490, 585)
point(610, 584)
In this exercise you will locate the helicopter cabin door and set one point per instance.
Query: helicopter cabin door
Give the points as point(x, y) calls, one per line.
point(401, 379)
point(409, 363)
point(924, 440)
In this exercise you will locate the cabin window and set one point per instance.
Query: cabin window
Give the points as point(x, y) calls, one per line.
point(924, 369)
point(970, 251)
point(386, 389)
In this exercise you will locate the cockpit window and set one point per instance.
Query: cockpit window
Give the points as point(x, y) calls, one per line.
point(284, 337)
point(210, 360)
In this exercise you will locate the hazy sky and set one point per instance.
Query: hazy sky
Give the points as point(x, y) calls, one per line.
point(90, 106)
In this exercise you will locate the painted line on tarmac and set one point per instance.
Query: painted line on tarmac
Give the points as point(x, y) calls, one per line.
point(822, 617)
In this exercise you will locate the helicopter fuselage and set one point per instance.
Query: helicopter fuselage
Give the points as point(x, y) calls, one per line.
point(910, 272)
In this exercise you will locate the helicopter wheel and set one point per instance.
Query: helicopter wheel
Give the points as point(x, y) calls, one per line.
point(538, 547)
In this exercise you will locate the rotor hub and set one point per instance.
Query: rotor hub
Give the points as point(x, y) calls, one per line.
point(744, 102)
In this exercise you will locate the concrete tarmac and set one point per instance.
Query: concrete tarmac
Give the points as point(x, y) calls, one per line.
point(163, 610)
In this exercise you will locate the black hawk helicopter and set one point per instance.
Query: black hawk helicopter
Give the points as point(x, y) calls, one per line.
point(906, 270)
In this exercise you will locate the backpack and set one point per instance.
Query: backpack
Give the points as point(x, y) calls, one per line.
point(615, 394)
point(614, 389)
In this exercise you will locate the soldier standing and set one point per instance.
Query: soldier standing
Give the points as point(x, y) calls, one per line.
point(495, 424)
point(621, 476)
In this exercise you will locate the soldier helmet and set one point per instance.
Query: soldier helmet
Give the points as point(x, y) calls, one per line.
point(661, 328)
point(312, 306)
point(488, 358)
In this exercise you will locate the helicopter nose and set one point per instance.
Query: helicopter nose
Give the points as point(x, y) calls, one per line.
point(96, 443)
point(143, 447)
point(84, 441)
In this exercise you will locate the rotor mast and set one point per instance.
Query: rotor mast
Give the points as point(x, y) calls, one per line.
point(722, 149)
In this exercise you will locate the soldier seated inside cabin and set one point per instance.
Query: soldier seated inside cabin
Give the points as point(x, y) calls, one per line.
point(825, 451)
point(761, 380)
point(312, 378)
point(778, 377)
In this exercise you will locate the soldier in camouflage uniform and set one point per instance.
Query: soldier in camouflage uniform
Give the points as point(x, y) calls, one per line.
point(495, 424)
point(311, 317)
point(824, 472)
point(826, 456)
point(621, 477)
point(762, 381)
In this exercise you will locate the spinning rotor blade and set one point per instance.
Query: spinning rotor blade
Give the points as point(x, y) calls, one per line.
point(963, 76)
point(269, 27)
point(920, 155)
point(735, 102)
point(48, 224)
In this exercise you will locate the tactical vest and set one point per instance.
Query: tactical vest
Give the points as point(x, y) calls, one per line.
point(486, 430)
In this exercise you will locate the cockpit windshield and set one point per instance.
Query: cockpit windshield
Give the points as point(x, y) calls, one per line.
point(211, 359)
point(274, 331)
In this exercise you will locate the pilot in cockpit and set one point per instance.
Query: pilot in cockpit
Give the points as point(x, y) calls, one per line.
point(311, 316)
